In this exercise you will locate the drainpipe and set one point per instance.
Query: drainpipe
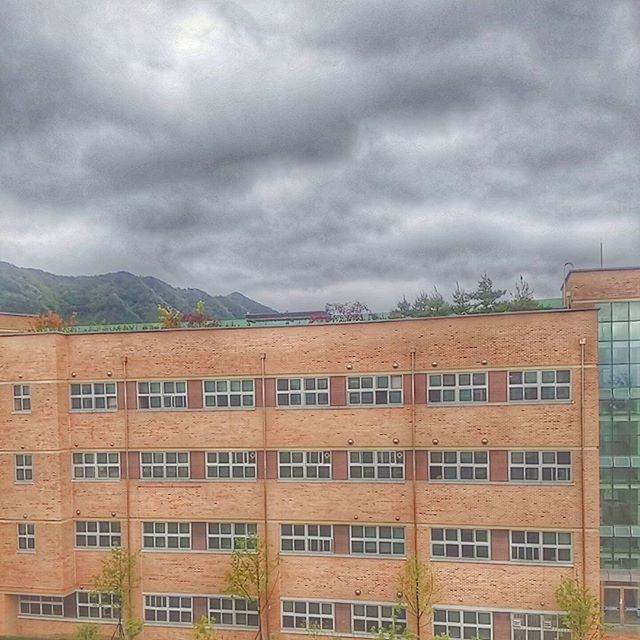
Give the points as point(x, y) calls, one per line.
point(267, 605)
point(127, 484)
point(414, 469)
point(583, 342)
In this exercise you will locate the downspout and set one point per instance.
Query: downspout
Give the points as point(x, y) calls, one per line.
point(125, 375)
point(413, 475)
point(267, 604)
point(583, 342)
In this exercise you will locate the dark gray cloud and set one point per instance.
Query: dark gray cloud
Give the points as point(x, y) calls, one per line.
point(304, 151)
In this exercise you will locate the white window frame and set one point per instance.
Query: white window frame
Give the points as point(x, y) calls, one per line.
point(54, 603)
point(227, 391)
point(304, 465)
point(162, 395)
point(91, 394)
point(547, 623)
point(460, 544)
point(238, 465)
point(463, 462)
point(453, 388)
point(103, 466)
point(378, 465)
point(301, 393)
point(227, 537)
point(26, 537)
point(96, 606)
point(362, 388)
point(24, 468)
point(468, 623)
point(546, 465)
point(164, 606)
point(376, 617)
point(306, 538)
point(538, 549)
point(107, 534)
point(21, 398)
point(233, 613)
point(532, 382)
point(377, 540)
point(166, 462)
point(307, 614)
point(166, 536)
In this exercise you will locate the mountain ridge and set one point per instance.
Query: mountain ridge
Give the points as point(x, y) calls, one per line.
point(110, 298)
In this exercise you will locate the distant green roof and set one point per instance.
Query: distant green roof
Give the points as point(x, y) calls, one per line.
point(551, 303)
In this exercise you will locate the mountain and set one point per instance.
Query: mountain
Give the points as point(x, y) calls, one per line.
point(112, 298)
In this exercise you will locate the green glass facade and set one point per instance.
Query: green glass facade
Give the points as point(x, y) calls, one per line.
point(619, 346)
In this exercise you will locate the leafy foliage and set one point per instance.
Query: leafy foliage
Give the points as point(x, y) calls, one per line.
point(582, 608)
point(417, 585)
point(395, 630)
point(112, 298)
point(203, 629)
point(87, 632)
point(116, 579)
point(485, 298)
point(51, 321)
point(346, 311)
point(169, 318)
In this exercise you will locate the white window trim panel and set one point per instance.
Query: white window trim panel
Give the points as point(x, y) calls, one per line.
point(93, 395)
point(303, 392)
point(241, 393)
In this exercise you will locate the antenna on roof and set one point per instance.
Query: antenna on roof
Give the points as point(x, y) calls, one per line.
point(601, 255)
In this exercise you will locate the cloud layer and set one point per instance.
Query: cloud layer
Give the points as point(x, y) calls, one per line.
point(303, 151)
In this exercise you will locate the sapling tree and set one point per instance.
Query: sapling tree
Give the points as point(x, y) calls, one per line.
point(203, 629)
point(248, 576)
point(417, 585)
point(115, 581)
point(583, 615)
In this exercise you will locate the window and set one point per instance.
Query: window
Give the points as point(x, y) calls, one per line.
point(538, 626)
point(227, 536)
point(44, 606)
point(304, 465)
point(541, 546)
point(166, 535)
point(233, 612)
point(97, 606)
point(162, 395)
point(231, 465)
point(457, 623)
point(302, 392)
point(376, 465)
point(102, 465)
point(540, 466)
point(171, 609)
point(379, 541)
point(374, 390)
point(93, 396)
point(467, 544)
point(371, 618)
point(459, 466)
point(528, 386)
point(164, 465)
point(228, 394)
point(306, 538)
point(26, 537)
point(103, 534)
point(457, 387)
point(301, 614)
point(24, 468)
point(21, 398)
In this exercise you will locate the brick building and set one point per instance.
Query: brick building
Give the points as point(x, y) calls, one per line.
point(472, 441)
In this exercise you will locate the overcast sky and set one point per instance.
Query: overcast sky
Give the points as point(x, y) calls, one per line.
point(306, 151)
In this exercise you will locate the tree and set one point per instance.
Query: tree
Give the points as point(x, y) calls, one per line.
point(247, 577)
point(427, 305)
point(203, 629)
point(169, 318)
point(346, 311)
point(417, 585)
point(485, 297)
point(522, 297)
point(397, 629)
point(115, 581)
point(52, 321)
point(403, 308)
point(87, 631)
point(583, 615)
point(460, 301)
point(200, 317)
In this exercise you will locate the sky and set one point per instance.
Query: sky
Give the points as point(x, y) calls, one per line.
point(313, 151)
